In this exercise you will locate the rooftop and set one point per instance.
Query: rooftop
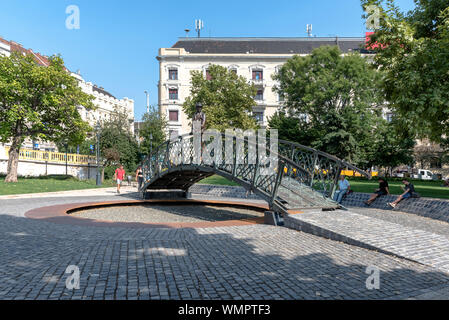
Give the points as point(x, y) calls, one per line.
point(300, 45)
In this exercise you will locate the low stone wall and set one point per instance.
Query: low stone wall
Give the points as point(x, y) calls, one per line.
point(36, 169)
point(430, 208)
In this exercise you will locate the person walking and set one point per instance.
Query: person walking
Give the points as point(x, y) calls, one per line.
point(139, 177)
point(382, 191)
point(119, 176)
point(409, 191)
point(344, 187)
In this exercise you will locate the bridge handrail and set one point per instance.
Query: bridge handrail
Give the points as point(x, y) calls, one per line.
point(327, 155)
point(343, 163)
point(320, 175)
point(53, 157)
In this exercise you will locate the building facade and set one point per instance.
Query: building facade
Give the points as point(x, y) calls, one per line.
point(256, 59)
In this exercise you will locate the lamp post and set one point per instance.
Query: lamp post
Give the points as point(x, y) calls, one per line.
point(66, 154)
point(148, 100)
point(151, 143)
point(97, 128)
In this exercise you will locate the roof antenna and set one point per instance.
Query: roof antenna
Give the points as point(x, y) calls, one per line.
point(199, 25)
point(309, 30)
point(187, 32)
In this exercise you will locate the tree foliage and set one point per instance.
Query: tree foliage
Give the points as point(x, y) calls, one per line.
point(227, 99)
point(39, 103)
point(152, 131)
point(117, 143)
point(412, 51)
point(331, 102)
point(389, 147)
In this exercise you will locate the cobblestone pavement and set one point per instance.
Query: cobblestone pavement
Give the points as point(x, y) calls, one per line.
point(246, 262)
point(418, 245)
point(406, 219)
point(169, 213)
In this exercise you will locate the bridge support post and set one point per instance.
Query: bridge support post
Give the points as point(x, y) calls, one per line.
point(273, 218)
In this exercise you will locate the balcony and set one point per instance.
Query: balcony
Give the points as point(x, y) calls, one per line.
point(257, 82)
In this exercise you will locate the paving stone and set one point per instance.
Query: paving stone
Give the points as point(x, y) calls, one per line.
point(245, 262)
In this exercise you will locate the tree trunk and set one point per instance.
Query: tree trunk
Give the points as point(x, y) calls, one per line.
point(13, 160)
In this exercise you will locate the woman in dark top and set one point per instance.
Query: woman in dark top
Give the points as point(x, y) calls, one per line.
point(139, 177)
point(382, 191)
point(409, 190)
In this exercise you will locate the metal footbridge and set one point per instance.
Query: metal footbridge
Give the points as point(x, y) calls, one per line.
point(303, 178)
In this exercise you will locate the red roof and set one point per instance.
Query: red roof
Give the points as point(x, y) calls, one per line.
point(17, 47)
point(374, 45)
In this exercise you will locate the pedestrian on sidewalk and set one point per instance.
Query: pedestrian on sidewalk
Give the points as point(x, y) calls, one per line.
point(119, 176)
point(139, 177)
point(382, 191)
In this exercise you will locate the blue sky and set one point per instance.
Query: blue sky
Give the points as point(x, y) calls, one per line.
point(118, 40)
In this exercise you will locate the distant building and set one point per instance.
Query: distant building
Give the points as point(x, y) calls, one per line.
point(257, 59)
point(106, 104)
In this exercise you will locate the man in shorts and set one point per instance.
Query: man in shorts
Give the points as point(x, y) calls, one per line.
point(119, 176)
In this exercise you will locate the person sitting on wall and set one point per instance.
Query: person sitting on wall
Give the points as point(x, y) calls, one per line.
point(344, 186)
point(409, 192)
point(382, 191)
point(445, 182)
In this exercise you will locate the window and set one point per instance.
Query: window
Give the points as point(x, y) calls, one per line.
point(173, 74)
point(208, 76)
point(173, 115)
point(257, 75)
point(259, 95)
point(233, 70)
point(258, 115)
point(281, 97)
point(389, 117)
point(173, 94)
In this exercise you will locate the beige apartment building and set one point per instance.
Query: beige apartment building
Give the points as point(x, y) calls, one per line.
point(256, 59)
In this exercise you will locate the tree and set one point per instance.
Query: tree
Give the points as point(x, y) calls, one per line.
point(332, 98)
point(412, 51)
point(152, 131)
point(38, 102)
point(227, 99)
point(429, 155)
point(390, 148)
point(117, 143)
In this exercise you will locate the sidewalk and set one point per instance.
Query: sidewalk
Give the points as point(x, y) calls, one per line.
point(74, 193)
point(421, 246)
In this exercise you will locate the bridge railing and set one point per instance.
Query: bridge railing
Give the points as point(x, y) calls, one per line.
point(290, 182)
point(323, 169)
point(53, 157)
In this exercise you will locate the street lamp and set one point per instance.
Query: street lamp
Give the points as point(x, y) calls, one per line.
point(148, 100)
point(97, 128)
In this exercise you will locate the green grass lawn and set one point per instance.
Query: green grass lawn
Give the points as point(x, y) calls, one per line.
point(218, 180)
point(47, 184)
point(430, 189)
